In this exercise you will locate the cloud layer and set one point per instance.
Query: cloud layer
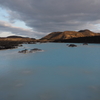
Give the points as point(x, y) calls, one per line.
point(9, 29)
point(54, 15)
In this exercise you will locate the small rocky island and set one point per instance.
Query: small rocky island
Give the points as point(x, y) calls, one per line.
point(72, 45)
point(30, 51)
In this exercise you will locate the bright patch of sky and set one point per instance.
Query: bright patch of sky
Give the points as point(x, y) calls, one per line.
point(97, 27)
point(5, 34)
point(4, 17)
point(19, 23)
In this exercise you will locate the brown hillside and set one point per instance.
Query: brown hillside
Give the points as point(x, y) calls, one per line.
point(18, 39)
point(68, 35)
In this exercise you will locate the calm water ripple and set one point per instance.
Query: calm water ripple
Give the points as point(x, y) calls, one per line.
point(58, 73)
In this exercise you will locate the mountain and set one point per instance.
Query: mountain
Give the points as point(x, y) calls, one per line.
point(14, 36)
point(54, 36)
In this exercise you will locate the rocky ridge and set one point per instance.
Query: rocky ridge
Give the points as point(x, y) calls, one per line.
point(54, 36)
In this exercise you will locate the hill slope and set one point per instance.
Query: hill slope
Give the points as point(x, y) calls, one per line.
point(68, 35)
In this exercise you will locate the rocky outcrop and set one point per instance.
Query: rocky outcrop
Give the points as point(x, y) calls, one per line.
point(72, 45)
point(85, 43)
point(68, 35)
point(23, 51)
point(30, 51)
point(15, 41)
point(9, 45)
point(35, 50)
point(90, 39)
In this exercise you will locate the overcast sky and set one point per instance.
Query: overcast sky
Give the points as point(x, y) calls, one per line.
point(36, 18)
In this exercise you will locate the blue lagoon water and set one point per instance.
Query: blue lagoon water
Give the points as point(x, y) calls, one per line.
point(58, 73)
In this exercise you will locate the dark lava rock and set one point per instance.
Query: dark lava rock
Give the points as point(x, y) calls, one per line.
point(8, 45)
point(23, 51)
point(20, 45)
point(72, 45)
point(85, 43)
point(35, 50)
point(30, 51)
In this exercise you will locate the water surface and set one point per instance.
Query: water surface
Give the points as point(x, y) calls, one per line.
point(58, 73)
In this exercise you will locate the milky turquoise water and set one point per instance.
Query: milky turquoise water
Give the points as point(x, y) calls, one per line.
point(58, 73)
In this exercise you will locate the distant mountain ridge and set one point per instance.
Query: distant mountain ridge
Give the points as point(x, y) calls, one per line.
point(14, 36)
point(17, 39)
point(68, 35)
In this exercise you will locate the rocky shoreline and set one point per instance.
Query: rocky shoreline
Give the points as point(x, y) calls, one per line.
point(14, 42)
point(9, 45)
point(85, 40)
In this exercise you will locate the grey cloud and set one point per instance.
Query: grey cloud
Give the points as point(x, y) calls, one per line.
point(7, 27)
point(54, 15)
